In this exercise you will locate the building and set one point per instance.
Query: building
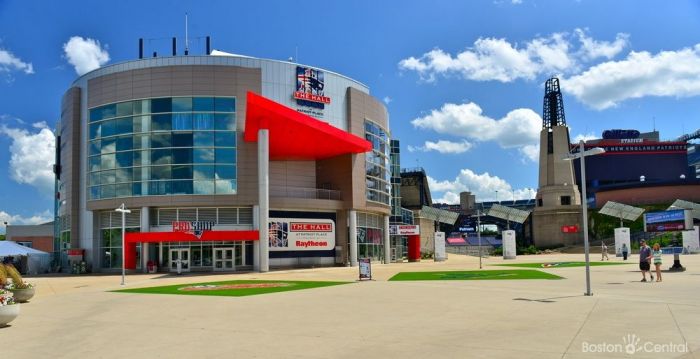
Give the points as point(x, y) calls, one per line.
point(415, 194)
point(226, 163)
point(694, 160)
point(38, 236)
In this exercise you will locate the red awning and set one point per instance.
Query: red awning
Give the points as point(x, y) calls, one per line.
point(296, 136)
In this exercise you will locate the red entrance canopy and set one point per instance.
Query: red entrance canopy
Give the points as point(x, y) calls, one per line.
point(296, 136)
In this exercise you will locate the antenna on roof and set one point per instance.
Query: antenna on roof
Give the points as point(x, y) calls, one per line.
point(187, 40)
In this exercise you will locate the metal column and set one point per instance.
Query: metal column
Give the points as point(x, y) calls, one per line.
point(353, 238)
point(264, 197)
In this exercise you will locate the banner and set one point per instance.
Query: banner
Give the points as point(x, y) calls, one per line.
point(301, 234)
point(666, 221)
point(404, 229)
point(365, 268)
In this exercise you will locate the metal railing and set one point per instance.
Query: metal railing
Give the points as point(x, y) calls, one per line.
point(486, 250)
point(308, 193)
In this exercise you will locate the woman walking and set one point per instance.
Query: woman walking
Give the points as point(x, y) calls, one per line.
point(656, 253)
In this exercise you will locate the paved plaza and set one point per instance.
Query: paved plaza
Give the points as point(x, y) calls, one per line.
point(77, 317)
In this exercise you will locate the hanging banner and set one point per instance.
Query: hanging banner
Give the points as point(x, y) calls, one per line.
point(301, 234)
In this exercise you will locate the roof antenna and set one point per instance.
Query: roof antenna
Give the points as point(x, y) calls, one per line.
point(187, 40)
point(653, 119)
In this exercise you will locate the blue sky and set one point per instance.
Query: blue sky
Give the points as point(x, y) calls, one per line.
point(463, 81)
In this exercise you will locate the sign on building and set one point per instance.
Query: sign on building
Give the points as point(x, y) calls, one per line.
point(301, 234)
point(404, 230)
point(193, 227)
point(665, 221)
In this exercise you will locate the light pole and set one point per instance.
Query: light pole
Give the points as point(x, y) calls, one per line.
point(584, 204)
point(478, 233)
point(123, 211)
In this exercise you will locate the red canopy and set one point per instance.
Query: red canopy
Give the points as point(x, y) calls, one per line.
point(296, 136)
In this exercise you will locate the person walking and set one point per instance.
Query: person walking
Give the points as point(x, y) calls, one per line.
point(604, 251)
point(656, 253)
point(644, 257)
point(624, 251)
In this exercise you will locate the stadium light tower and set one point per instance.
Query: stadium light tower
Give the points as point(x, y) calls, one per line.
point(584, 203)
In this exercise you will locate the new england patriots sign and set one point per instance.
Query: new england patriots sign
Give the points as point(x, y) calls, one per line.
point(310, 85)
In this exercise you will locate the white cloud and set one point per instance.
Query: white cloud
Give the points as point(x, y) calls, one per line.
point(32, 156)
point(387, 99)
point(493, 59)
point(9, 62)
point(520, 128)
point(443, 146)
point(531, 152)
point(85, 54)
point(485, 186)
point(640, 74)
point(586, 137)
point(516, 2)
point(37, 218)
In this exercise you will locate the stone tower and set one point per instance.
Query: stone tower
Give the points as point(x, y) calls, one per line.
point(558, 198)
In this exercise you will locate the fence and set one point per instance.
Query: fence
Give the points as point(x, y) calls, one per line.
point(486, 250)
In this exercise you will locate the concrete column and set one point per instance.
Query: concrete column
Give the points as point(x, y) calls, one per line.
point(353, 238)
point(387, 241)
point(264, 196)
point(145, 227)
point(256, 244)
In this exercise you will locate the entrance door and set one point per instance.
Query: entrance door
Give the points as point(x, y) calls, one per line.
point(223, 259)
point(181, 255)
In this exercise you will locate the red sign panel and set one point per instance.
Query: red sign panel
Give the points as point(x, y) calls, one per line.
point(310, 97)
point(311, 227)
point(569, 229)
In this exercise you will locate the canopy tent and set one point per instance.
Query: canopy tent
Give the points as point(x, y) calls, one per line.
point(36, 261)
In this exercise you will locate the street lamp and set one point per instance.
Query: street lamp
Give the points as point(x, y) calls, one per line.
point(122, 209)
point(584, 203)
point(478, 233)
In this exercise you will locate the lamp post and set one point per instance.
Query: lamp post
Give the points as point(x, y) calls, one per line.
point(478, 233)
point(584, 204)
point(122, 209)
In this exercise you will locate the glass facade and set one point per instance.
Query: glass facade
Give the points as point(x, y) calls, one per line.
point(163, 146)
point(370, 236)
point(110, 227)
point(378, 174)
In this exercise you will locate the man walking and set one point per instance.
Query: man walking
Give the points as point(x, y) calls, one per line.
point(604, 251)
point(644, 258)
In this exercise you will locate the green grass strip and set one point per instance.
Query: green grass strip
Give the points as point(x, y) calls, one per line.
point(476, 275)
point(232, 288)
point(550, 265)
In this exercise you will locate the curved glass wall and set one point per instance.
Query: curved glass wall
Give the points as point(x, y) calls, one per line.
point(163, 146)
point(378, 175)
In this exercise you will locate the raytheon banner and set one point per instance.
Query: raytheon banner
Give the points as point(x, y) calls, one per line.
point(301, 234)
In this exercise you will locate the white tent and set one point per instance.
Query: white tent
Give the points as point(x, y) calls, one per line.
point(37, 261)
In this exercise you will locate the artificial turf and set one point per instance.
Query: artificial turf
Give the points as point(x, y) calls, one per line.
point(475, 275)
point(243, 287)
point(559, 264)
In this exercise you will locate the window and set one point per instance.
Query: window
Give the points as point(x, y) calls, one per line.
point(378, 176)
point(565, 200)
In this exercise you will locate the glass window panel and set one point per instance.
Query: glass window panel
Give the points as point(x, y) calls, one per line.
point(141, 124)
point(95, 130)
point(123, 190)
point(109, 128)
point(95, 192)
point(143, 106)
point(159, 187)
point(203, 104)
point(159, 105)
point(224, 104)
point(138, 158)
point(136, 124)
point(136, 189)
point(124, 143)
point(108, 161)
point(108, 111)
point(204, 139)
point(161, 172)
point(203, 187)
point(124, 175)
point(225, 121)
point(108, 177)
point(95, 114)
point(225, 155)
point(182, 122)
point(95, 163)
point(161, 157)
point(182, 104)
point(203, 121)
point(137, 141)
point(204, 173)
point(182, 187)
point(225, 172)
point(226, 139)
point(107, 191)
point(182, 139)
point(125, 109)
point(182, 155)
point(182, 172)
point(94, 178)
point(95, 147)
point(226, 187)
point(125, 159)
point(161, 123)
point(203, 155)
point(160, 140)
point(136, 171)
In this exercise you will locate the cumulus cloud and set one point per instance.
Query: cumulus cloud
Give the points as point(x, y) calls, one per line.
point(586, 137)
point(485, 186)
point(9, 62)
point(497, 59)
point(85, 54)
point(32, 156)
point(640, 74)
point(37, 218)
point(520, 128)
point(443, 146)
point(387, 99)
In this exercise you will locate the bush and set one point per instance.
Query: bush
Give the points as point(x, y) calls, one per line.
point(426, 255)
point(17, 281)
point(498, 251)
point(527, 250)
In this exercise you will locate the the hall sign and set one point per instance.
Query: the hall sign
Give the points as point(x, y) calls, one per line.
point(404, 229)
point(193, 227)
point(301, 234)
point(309, 89)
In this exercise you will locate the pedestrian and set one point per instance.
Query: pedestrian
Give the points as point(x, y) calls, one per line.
point(656, 253)
point(604, 251)
point(644, 257)
point(624, 251)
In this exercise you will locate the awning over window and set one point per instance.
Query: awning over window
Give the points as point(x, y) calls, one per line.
point(296, 136)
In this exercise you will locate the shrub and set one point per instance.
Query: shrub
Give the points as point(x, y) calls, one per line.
point(498, 251)
point(17, 281)
point(3, 276)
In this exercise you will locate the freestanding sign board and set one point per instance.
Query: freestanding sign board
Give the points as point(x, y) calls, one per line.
point(440, 254)
point(509, 251)
point(691, 243)
point(365, 269)
point(622, 237)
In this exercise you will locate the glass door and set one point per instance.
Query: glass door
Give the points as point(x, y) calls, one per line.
point(223, 259)
point(179, 257)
